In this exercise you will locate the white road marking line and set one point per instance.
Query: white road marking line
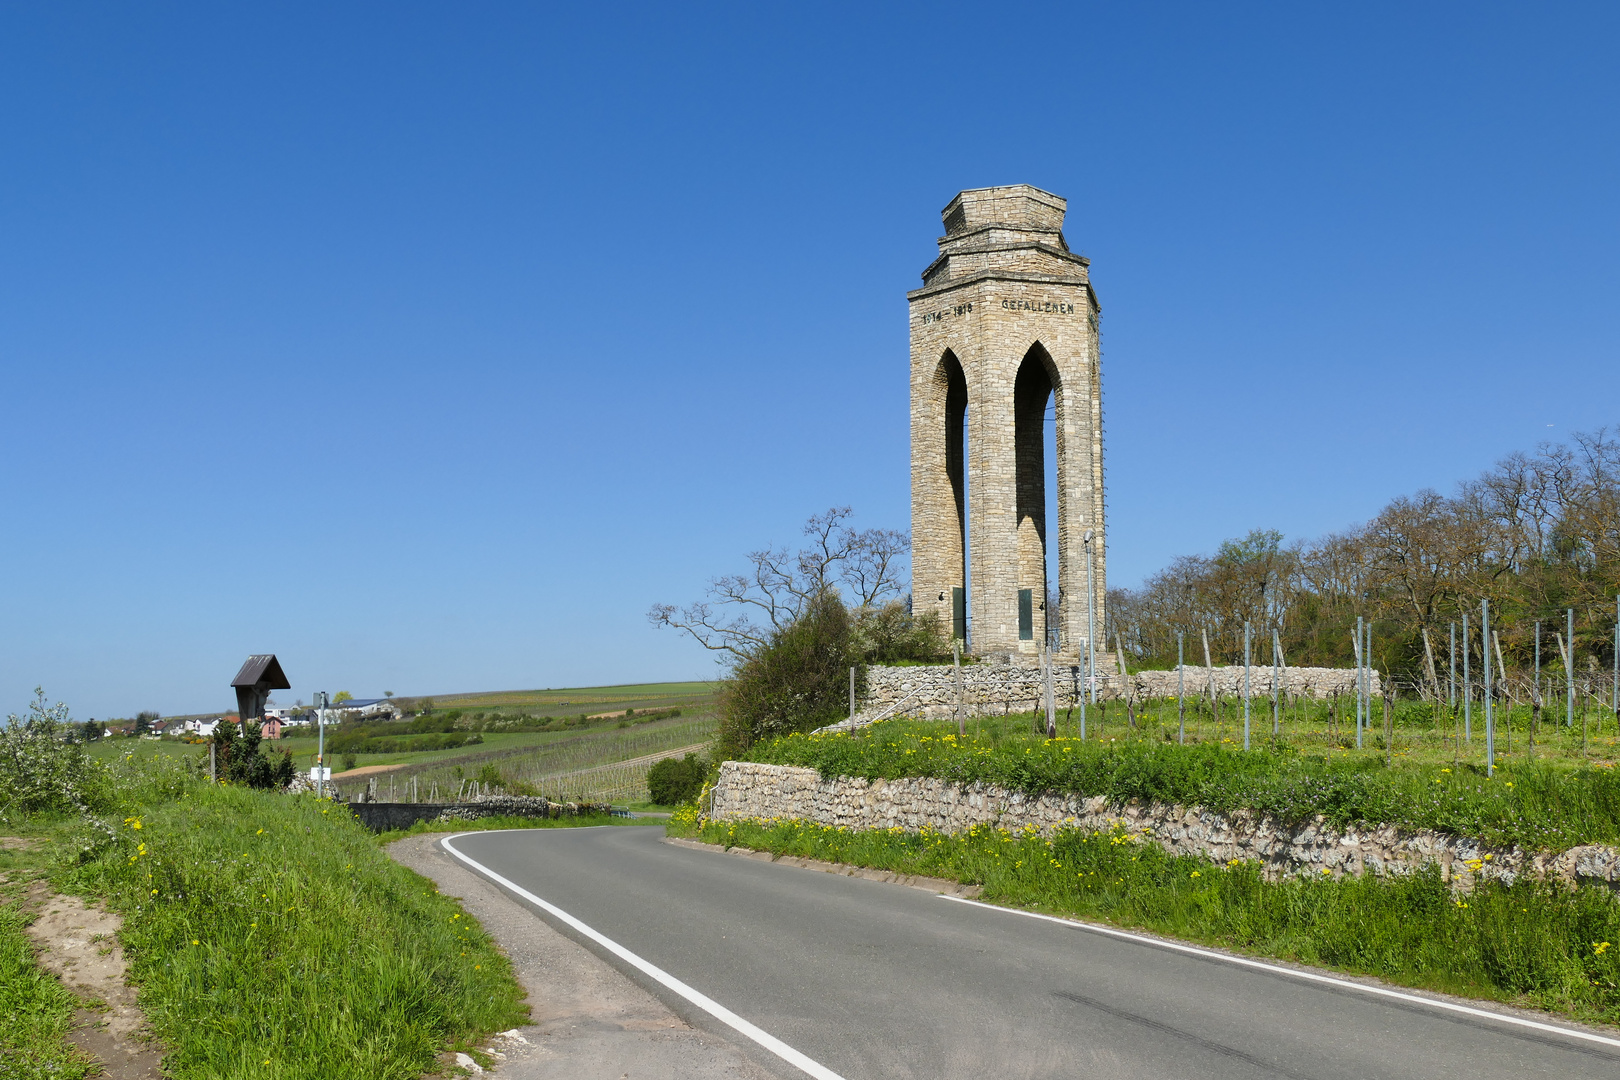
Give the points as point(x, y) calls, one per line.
point(1308, 976)
point(703, 1001)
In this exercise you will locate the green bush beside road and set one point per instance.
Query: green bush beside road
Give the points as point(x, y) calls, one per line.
point(676, 780)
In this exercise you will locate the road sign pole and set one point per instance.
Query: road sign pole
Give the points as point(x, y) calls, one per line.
point(320, 742)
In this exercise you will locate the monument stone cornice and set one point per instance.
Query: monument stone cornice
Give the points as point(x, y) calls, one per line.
point(1017, 276)
point(1062, 254)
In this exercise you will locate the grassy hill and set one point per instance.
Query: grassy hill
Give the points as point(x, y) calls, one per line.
point(582, 699)
point(602, 752)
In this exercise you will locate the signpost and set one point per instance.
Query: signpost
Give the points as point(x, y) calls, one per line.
point(321, 774)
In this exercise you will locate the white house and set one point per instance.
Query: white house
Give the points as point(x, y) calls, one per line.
point(367, 709)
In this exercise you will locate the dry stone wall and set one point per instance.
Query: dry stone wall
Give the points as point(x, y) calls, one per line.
point(750, 790)
point(998, 689)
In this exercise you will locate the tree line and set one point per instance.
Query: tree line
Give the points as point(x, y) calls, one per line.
point(1535, 535)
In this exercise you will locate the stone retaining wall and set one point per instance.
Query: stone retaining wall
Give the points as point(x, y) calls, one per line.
point(749, 790)
point(998, 689)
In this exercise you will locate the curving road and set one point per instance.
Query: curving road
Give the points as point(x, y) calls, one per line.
point(829, 976)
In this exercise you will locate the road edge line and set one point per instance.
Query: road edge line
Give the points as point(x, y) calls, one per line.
point(1308, 976)
point(837, 869)
point(796, 1058)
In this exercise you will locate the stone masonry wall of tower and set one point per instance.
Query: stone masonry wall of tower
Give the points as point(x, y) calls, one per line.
point(1006, 314)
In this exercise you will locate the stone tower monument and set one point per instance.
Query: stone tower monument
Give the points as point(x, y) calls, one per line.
point(1005, 323)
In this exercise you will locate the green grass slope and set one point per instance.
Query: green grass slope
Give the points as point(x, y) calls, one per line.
point(272, 938)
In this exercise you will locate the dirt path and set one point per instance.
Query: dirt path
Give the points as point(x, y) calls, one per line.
point(79, 945)
point(364, 770)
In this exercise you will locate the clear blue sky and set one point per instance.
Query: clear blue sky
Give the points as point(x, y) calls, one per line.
point(427, 345)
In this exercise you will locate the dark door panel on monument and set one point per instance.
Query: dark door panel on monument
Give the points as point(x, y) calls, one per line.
point(1026, 614)
point(959, 613)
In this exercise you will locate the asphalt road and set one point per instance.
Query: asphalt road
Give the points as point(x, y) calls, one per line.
point(876, 980)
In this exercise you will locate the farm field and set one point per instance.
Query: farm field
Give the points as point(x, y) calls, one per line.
point(605, 758)
point(608, 763)
point(587, 700)
point(142, 749)
point(303, 749)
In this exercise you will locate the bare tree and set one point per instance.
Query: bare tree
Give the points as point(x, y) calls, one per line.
point(874, 571)
point(740, 612)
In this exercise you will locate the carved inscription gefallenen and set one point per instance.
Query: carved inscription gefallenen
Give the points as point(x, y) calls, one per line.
point(1055, 307)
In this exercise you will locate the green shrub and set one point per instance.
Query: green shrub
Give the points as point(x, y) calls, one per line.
point(676, 780)
point(41, 772)
point(413, 744)
point(240, 758)
point(796, 681)
point(892, 635)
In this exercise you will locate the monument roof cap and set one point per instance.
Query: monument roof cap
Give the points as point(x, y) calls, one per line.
point(1018, 205)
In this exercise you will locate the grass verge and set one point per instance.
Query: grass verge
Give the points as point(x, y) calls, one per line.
point(271, 937)
point(1534, 944)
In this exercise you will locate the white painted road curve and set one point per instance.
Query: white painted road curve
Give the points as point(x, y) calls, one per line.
point(846, 979)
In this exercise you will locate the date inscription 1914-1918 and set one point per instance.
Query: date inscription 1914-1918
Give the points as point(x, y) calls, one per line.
point(945, 313)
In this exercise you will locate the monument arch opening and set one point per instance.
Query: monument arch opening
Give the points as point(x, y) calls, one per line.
point(948, 421)
point(1033, 388)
